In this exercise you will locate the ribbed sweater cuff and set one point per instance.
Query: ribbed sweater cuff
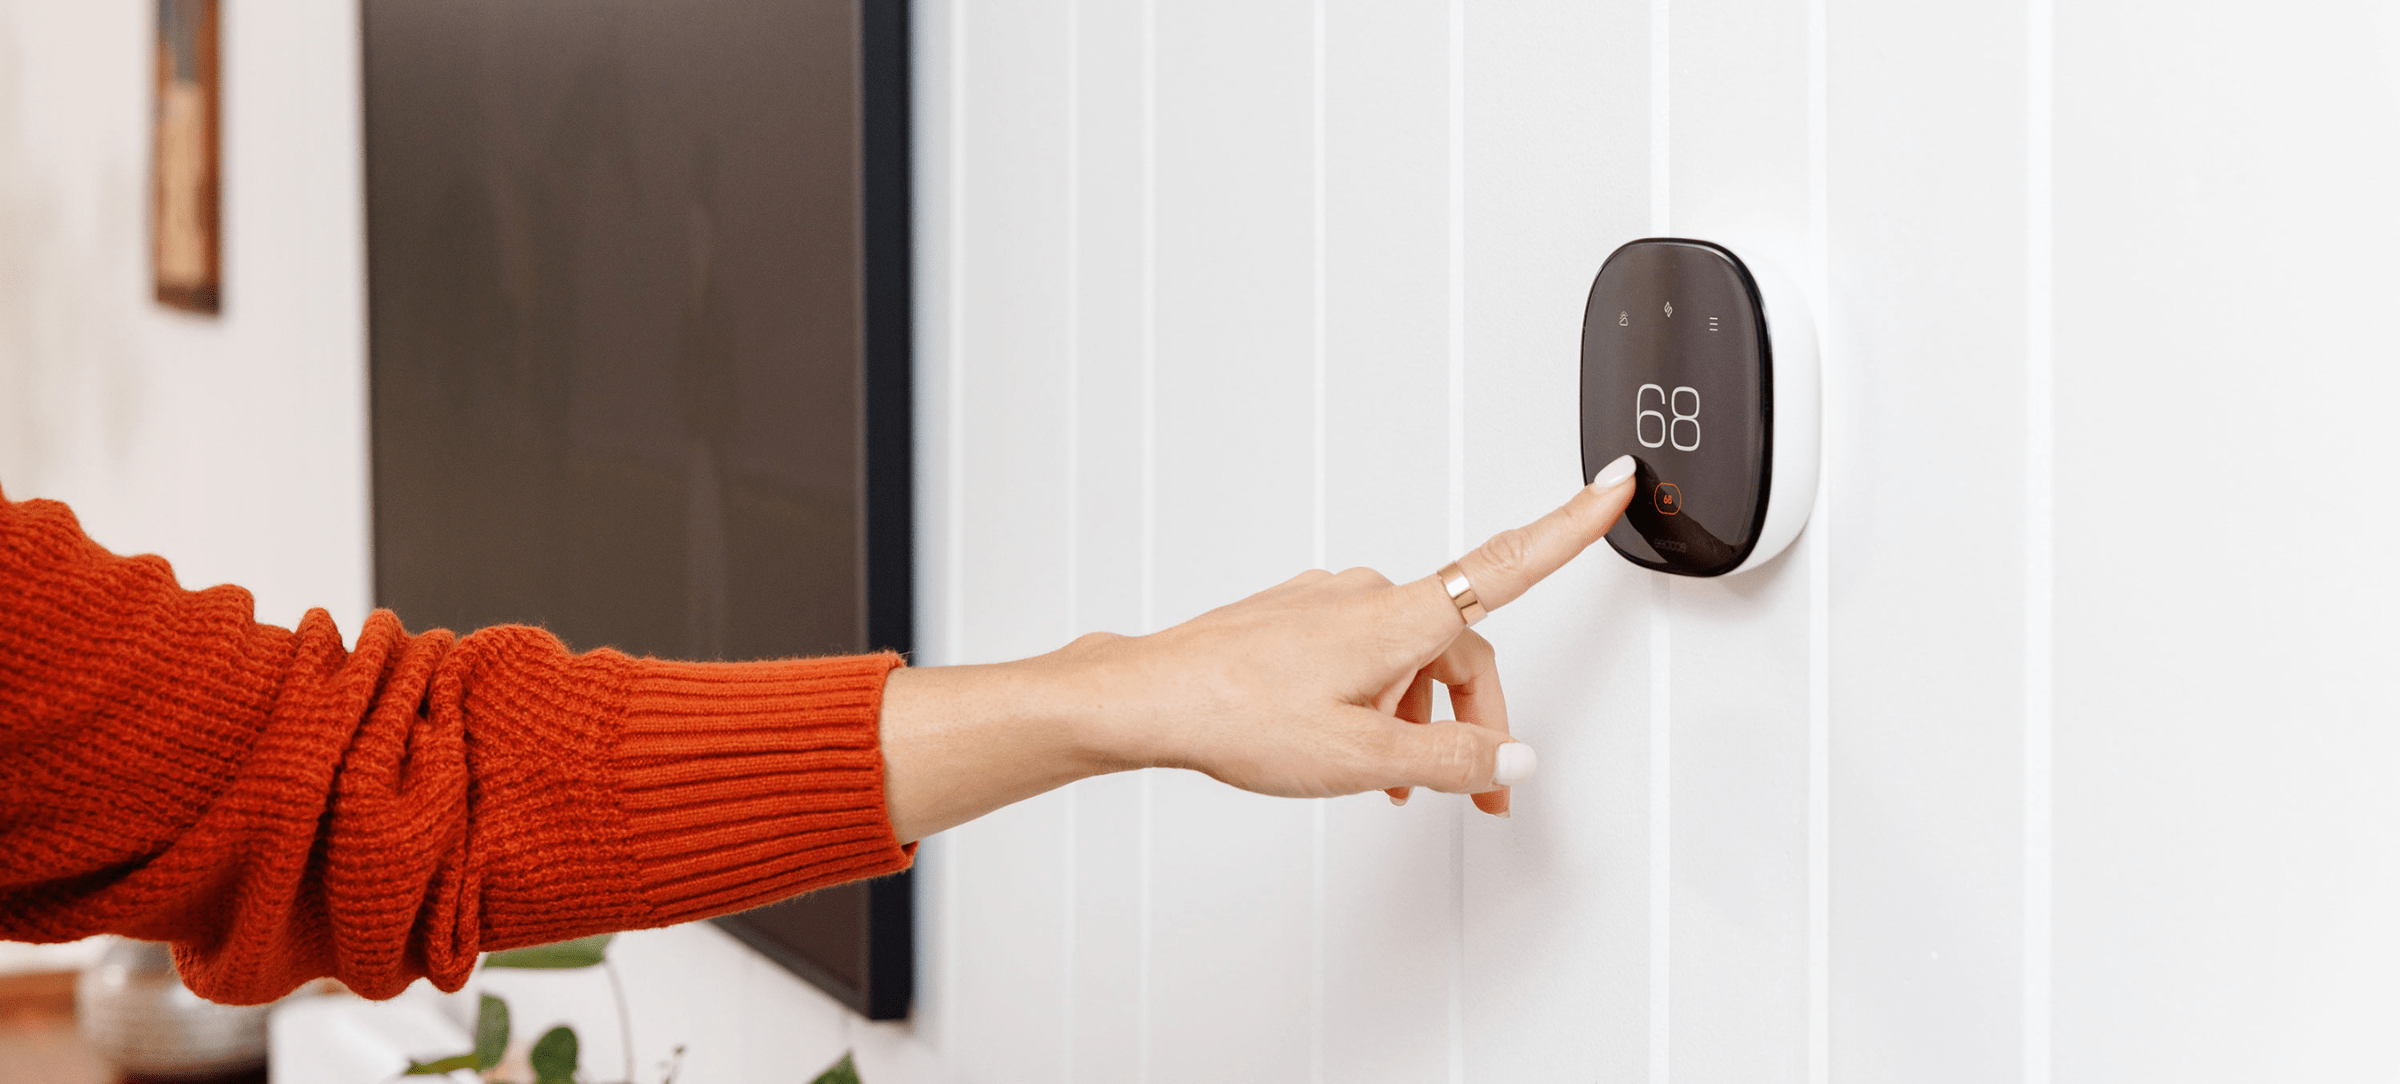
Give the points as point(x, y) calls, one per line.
point(746, 783)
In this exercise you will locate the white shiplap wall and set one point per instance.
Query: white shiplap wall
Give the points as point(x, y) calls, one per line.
point(2029, 762)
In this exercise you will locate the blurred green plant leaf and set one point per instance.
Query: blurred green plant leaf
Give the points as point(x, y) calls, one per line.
point(491, 1032)
point(581, 952)
point(491, 1041)
point(554, 1056)
point(450, 1064)
point(842, 1072)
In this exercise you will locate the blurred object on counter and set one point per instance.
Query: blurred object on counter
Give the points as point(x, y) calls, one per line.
point(136, 1013)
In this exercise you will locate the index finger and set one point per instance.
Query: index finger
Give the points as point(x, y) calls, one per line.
point(1511, 562)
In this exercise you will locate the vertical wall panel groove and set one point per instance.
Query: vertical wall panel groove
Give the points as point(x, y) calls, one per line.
point(1658, 1038)
point(1455, 161)
point(1071, 888)
point(1738, 716)
point(1105, 123)
point(1555, 130)
point(1318, 521)
point(1389, 879)
point(1820, 576)
point(1017, 499)
point(2040, 540)
point(1107, 206)
point(1233, 325)
point(1147, 1021)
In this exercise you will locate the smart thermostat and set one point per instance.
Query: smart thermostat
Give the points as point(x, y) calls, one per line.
point(1703, 367)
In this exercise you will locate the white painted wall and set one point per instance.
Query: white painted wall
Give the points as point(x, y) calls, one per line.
point(234, 445)
point(2034, 760)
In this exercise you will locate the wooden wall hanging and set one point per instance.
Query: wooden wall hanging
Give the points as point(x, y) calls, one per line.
point(186, 241)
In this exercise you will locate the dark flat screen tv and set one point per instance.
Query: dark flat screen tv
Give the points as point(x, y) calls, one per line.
point(638, 316)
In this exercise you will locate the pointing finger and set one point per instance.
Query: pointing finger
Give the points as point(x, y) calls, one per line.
point(1512, 561)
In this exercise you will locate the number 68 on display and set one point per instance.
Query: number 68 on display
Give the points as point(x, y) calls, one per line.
point(1669, 429)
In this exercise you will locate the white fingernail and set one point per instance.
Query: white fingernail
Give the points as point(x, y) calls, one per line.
point(1615, 472)
point(1513, 764)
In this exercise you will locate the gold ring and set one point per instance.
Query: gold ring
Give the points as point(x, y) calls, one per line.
point(1462, 592)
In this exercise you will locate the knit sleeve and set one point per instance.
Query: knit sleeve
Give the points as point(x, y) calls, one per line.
point(282, 808)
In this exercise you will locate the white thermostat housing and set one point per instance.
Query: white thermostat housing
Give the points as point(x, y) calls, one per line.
point(1703, 367)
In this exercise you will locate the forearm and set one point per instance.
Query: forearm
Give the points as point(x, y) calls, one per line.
point(962, 741)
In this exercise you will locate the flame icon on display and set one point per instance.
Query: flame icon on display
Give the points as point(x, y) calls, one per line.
point(1623, 319)
point(1670, 308)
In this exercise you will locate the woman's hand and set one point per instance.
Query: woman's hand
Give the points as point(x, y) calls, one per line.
point(1316, 687)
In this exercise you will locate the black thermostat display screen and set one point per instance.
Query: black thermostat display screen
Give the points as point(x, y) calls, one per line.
point(1676, 372)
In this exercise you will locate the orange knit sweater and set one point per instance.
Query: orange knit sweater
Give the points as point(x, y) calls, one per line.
point(282, 808)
